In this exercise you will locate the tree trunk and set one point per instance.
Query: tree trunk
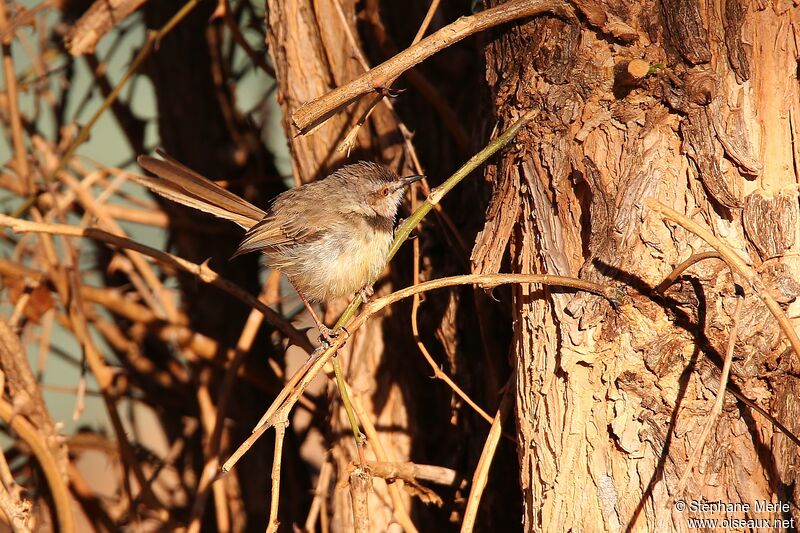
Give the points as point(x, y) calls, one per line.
point(611, 400)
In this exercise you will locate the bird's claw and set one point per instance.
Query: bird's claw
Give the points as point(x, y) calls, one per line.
point(328, 336)
point(366, 293)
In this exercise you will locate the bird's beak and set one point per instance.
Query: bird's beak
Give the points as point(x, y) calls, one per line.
point(402, 183)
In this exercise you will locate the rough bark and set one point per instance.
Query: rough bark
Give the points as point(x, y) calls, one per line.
point(611, 400)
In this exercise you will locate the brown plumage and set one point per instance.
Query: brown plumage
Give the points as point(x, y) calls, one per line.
point(330, 237)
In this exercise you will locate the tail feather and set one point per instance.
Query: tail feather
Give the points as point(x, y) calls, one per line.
point(185, 186)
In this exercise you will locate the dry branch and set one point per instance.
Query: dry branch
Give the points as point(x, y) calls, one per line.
point(203, 272)
point(360, 487)
point(98, 20)
point(414, 473)
point(481, 476)
point(314, 113)
point(10, 76)
point(43, 454)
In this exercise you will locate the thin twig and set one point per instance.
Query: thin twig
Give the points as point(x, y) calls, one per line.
point(236, 33)
point(488, 281)
point(209, 416)
point(202, 271)
point(680, 269)
point(437, 372)
point(280, 434)
point(426, 21)
point(320, 495)
point(360, 439)
point(481, 476)
point(20, 152)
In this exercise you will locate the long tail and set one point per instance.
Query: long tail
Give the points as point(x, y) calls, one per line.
point(185, 186)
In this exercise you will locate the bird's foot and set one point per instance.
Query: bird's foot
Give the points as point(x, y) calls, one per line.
point(366, 293)
point(328, 335)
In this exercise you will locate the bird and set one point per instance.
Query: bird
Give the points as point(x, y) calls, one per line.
point(330, 238)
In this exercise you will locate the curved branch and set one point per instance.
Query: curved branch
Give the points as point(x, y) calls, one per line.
point(486, 280)
point(301, 379)
point(58, 487)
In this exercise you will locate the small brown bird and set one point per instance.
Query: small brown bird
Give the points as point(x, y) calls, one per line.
point(330, 237)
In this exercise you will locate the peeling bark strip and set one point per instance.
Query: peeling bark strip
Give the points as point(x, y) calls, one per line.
point(735, 141)
point(686, 30)
point(700, 146)
point(738, 55)
point(770, 222)
point(490, 243)
point(608, 22)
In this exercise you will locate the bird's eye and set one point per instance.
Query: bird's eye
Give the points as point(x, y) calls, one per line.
point(385, 191)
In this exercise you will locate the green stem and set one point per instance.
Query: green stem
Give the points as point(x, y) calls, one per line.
point(348, 406)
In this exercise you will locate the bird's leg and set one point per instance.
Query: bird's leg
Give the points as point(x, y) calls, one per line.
point(366, 292)
point(326, 334)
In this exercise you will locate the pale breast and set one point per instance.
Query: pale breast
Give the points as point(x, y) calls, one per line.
point(340, 262)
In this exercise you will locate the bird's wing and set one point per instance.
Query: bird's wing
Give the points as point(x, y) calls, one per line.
point(278, 231)
point(185, 186)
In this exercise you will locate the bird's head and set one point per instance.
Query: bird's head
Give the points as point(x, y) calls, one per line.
point(379, 190)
